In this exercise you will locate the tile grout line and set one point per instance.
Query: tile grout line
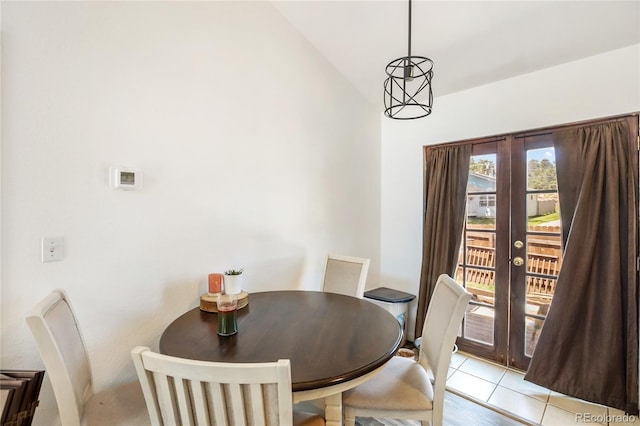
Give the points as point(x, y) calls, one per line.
point(486, 403)
point(495, 388)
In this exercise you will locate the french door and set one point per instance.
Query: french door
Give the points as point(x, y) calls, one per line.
point(511, 251)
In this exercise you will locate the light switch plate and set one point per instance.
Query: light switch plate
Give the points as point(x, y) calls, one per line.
point(51, 249)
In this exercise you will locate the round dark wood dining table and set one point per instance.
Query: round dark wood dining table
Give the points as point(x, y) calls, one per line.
point(332, 340)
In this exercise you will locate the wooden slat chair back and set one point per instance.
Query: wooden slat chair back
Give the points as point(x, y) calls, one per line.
point(187, 392)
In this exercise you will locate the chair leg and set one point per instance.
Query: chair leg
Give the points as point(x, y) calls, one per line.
point(437, 417)
point(349, 416)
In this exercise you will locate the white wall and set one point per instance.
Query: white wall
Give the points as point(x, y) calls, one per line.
point(255, 153)
point(599, 86)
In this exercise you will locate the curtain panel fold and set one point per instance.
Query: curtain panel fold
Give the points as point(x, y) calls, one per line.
point(588, 347)
point(446, 172)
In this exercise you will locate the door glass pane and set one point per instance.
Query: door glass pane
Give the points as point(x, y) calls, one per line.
point(532, 333)
point(481, 211)
point(481, 285)
point(480, 260)
point(478, 324)
point(481, 187)
point(544, 254)
point(541, 169)
point(485, 241)
point(482, 173)
point(543, 213)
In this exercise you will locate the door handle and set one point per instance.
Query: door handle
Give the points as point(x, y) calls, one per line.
point(518, 261)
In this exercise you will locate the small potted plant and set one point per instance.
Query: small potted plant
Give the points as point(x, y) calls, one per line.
point(233, 281)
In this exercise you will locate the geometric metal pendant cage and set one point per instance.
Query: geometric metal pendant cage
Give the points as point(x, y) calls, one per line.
point(407, 89)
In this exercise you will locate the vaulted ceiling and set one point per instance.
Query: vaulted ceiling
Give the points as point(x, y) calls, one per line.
point(471, 42)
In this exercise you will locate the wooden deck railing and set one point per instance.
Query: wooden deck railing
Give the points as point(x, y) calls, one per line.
point(481, 256)
point(543, 264)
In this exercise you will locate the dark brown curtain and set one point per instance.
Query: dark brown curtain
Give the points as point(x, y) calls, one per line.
point(446, 171)
point(588, 347)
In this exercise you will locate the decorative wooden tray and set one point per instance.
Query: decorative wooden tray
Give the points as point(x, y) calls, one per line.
point(208, 301)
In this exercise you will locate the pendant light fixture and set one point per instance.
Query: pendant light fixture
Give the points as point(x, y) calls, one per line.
point(407, 89)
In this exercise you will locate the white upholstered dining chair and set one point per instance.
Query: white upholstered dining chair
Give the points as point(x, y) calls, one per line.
point(190, 392)
point(345, 275)
point(403, 390)
point(57, 334)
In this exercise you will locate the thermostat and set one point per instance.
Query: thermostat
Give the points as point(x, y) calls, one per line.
point(124, 178)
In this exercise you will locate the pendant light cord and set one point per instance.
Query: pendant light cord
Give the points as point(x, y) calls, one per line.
point(409, 55)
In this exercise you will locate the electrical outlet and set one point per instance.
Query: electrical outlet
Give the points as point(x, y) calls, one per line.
point(51, 249)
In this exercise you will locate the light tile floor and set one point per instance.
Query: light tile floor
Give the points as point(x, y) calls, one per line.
point(505, 390)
